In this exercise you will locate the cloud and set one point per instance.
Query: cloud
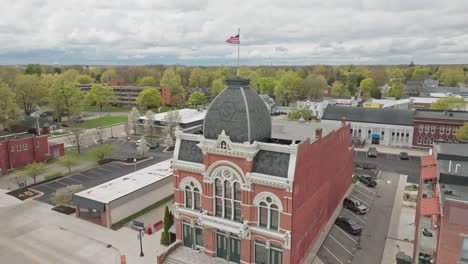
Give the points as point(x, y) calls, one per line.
point(193, 32)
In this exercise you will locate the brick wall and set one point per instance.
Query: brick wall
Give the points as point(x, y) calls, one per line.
point(453, 226)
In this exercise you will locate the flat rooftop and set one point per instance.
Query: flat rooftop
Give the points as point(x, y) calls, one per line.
point(452, 149)
point(454, 192)
point(299, 130)
point(112, 190)
point(186, 116)
point(440, 114)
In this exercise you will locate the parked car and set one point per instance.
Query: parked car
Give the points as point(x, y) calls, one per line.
point(355, 205)
point(404, 155)
point(365, 165)
point(138, 142)
point(348, 225)
point(372, 152)
point(367, 180)
point(153, 145)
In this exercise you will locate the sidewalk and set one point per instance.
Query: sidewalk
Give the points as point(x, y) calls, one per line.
point(395, 150)
point(400, 234)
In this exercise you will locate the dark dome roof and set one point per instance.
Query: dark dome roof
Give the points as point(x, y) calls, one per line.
point(240, 112)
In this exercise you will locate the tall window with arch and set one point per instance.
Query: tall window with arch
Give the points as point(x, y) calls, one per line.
point(268, 214)
point(192, 197)
point(227, 197)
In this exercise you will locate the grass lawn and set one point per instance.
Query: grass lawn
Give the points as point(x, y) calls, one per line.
point(79, 156)
point(104, 109)
point(104, 121)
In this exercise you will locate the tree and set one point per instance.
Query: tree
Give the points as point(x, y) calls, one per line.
point(289, 87)
point(143, 146)
point(10, 112)
point(32, 69)
point(196, 99)
point(33, 170)
point(198, 78)
point(146, 81)
point(462, 133)
point(353, 77)
point(108, 75)
point(149, 98)
point(451, 76)
point(28, 92)
point(133, 119)
point(314, 85)
point(397, 90)
point(168, 222)
point(68, 162)
point(217, 86)
point(63, 196)
point(450, 103)
point(100, 96)
point(21, 181)
point(420, 73)
point(171, 121)
point(168, 141)
point(172, 80)
point(77, 135)
point(376, 93)
point(339, 89)
point(366, 87)
point(301, 112)
point(267, 85)
point(149, 122)
point(70, 75)
point(83, 78)
point(65, 98)
point(102, 151)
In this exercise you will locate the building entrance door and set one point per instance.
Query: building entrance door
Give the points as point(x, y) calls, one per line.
point(234, 250)
point(188, 237)
point(221, 246)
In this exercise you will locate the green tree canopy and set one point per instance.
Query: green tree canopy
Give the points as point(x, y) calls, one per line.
point(70, 75)
point(451, 76)
point(109, 75)
point(10, 112)
point(301, 112)
point(196, 99)
point(102, 151)
point(267, 85)
point(100, 96)
point(198, 78)
point(149, 98)
point(217, 86)
point(34, 69)
point(397, 90)
point(366, 86)
point(420, 73)
point(314, 85)
point(33, 170)
point(449, 103)
point(289, 87)
point(65, 98)
point(83, 78)
point(29, 92)
point(462, 133)
point(146, 81)
point(339, 89)
point(172, 80)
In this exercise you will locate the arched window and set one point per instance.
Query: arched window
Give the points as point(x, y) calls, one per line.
point(268, 213)
point(227, 197)
point(192, 196)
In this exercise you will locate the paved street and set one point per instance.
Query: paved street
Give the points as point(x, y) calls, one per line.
point(340, 247)
point(90, 136)
point(392, 163)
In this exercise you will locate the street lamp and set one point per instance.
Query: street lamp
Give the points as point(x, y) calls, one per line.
point(134, 163)
point(140, 237)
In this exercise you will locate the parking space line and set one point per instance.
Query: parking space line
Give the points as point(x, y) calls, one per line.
point(101, 168)
point(341, 245)
point(44, 187)
point(48, 187)
point(73, 179)
point(356, 216)
point(95, 172)
point(367, 189)
point(87, 177)
point(115, 167)
point(372, 198)
point(344, 232)
point(368, 205)
point(332, 254)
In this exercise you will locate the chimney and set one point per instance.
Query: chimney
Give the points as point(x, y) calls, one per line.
point(318, 133)
point(343, 121)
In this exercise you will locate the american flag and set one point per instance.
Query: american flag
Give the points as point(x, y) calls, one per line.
point(233, 40)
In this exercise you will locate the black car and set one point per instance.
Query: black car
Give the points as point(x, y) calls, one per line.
point(367, 180)
point(348, 225)
point(355, 205)
point(403, 155)
point(153, 145)
point(372, 152)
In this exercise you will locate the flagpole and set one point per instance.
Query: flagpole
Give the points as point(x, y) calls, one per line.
point(238, 51)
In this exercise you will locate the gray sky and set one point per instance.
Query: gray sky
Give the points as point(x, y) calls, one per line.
point(193, 32)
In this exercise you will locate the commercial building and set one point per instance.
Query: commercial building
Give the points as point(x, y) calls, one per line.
point(189, 120)
point(251, 192)
point(386, 127)
point(18, 150)
point(441, 233)
point(115, 200)
point(437, 125)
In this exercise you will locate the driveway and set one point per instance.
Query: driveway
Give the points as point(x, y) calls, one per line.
point(340, 247)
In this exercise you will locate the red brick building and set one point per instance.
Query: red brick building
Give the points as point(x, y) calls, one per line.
point(436, 125)
point(441, 233)
point(18, 150)
point(248, 194)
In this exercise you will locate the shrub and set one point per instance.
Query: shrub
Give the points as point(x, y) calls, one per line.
point(53, 175)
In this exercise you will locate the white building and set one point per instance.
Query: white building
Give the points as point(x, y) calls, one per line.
point(190, 120)
point(316, 106)
point(110, 202)
point(386, 127)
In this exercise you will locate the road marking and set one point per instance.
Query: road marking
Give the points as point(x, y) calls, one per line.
point(368, 205)
point(372, 198)
point(115, 167)
point(43, 186)
point(332, 254)
point(344, 232)
point(355, 216)
point(338, 242)
point(104, 169)
point(23, 251)
point(367, 189)
point(95, 172)
point(73, 179)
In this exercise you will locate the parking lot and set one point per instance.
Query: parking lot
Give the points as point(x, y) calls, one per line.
point(340, 247)
point(102, 173)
